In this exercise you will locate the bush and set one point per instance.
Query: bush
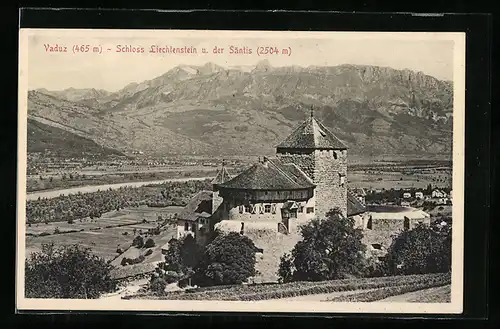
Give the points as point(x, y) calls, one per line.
point(138, 241)
point(132, 261)
point(421, 250)
point(228, 259)
point(149, 243)
point(157, 285)
point(149, 252)
point(67, 272)
point(330, 249)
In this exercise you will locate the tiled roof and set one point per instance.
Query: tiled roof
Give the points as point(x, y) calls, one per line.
point(199, 206)
point(354, 207)
point(222, 176)
point(271, 174)
point(312, 134)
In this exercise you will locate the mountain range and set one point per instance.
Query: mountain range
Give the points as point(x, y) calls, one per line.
point(213, 110)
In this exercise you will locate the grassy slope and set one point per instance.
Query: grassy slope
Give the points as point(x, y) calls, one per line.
point(62, 143)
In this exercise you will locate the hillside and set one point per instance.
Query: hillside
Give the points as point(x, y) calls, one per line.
point(62, 143)
point(214, 110)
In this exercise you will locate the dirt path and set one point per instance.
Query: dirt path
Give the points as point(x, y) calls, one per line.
point(131, 288)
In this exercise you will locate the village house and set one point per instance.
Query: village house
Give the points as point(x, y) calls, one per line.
point(406, 195)
point(438, 193)
point(360, 194)
point(419, 195)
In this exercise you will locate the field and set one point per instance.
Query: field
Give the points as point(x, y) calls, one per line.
point(104, 235)
point(349, 290)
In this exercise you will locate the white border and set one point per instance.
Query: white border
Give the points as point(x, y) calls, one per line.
point(456, 305)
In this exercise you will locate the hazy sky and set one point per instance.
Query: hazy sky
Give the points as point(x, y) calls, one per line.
point(429, 53)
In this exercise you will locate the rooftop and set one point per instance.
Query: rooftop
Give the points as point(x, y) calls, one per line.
point(312, 134)
point(270, 174)
point(222, 176)
point(199, 206)
point(354, 207)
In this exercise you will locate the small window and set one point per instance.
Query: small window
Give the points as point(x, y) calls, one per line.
point(248, 208)
point(300, 209)
point(369, 225)
point(267, 208)
point(186, 226)
point(242, 209)
point(342, 180)
point(253, 208)
point(377, 246)
point(310, 210)
point(273, 208)
point(261, 209)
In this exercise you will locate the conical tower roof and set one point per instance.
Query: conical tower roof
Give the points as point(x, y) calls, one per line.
point(222, 176)
point(312, 134)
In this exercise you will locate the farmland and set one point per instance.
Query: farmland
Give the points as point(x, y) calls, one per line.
point(352, 290)
point(104, 235)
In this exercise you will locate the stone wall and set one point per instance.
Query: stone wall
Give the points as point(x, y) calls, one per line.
point(329, 192)
point(216, 201)
point(305, 161)
point(324, 167)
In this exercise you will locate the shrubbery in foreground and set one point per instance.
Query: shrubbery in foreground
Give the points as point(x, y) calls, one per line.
point(331, 249)
point(67, 272)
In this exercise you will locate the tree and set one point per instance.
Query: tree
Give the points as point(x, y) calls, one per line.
point(424, 249)
point(67, 272)
point(138, 241)
point(149, 243)
point(331, 248)
point(228, 259)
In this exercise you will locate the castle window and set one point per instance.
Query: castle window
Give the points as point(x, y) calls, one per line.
point(273, 208)
point(253, 210)
point(377, 246)
point(369, 225)
point(248, 208)
point(309, 210)
point(242, 209)
point(301, 209)
point(186, 226)
point(342, 179)
point(267, 208)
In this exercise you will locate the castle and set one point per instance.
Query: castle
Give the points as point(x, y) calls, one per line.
point(306, 179)
point(269, 201)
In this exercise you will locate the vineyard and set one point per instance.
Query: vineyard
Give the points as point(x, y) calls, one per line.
point(81, 205)
point(364, 289)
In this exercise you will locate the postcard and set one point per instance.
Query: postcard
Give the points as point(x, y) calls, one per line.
point(241, 171)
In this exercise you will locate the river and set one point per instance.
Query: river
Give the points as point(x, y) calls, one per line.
point(93, 188)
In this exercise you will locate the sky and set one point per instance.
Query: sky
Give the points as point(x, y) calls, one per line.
point(431, 53)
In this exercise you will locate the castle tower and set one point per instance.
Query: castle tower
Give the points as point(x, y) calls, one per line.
point(321, 156)
point(221, 177)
